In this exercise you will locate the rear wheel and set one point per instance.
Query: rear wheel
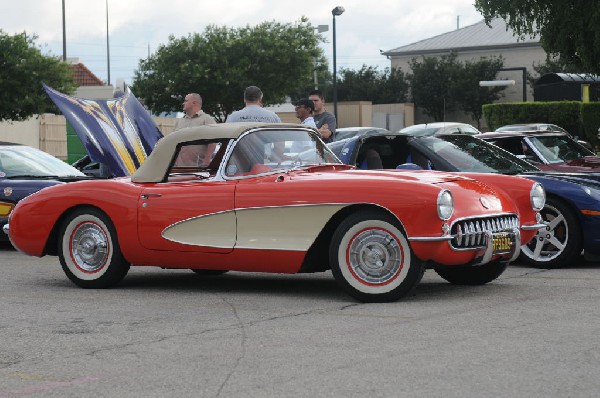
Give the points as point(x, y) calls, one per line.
point(371, 259)
point(560, 243)
point(473, 275)
point(89, 251)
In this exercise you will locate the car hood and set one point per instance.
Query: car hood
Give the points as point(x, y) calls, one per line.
point(17, 189)
point(117, 132)
point(588, 179)
point(426, 176)
point(336, 171)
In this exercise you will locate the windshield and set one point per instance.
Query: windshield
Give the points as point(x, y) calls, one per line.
point(264, 151)
point(27, 161)
point(469, 130)
point(558, 149)
point(418, 131)
point(469, 154)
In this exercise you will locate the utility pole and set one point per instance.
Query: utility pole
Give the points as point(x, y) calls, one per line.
point(107, 46)
point(64, 33)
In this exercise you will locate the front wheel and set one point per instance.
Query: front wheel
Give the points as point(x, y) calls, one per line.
point(371, 259)
point(472, 275)
point(559, 243)
point(89, 251)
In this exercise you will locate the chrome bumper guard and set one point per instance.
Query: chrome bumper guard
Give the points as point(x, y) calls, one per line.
point(515, 247)
point(5, 228)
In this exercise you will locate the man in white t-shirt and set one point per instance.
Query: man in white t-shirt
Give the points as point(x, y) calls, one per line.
point(253, 112)
point(304, 110)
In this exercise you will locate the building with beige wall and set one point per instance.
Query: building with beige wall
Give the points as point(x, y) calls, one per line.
point(471, 43)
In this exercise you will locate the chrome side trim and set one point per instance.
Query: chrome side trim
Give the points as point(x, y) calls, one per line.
point(431, 238)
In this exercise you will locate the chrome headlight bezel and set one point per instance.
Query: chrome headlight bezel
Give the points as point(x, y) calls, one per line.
point(537, 196)
point(445, 205)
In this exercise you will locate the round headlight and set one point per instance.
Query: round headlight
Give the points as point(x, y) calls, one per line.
point(445, 205)
point(538, 196)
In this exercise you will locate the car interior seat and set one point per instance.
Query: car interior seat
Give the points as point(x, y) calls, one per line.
point(260, 168)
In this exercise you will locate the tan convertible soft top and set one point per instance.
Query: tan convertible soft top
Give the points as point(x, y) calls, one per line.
point(155, 167)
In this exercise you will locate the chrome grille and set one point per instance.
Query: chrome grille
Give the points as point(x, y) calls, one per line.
point(470, 233)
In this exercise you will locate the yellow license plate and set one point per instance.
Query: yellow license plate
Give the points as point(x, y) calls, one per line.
point(503, 242)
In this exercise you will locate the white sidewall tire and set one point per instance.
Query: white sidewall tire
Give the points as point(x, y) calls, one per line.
point(353, 279)
point(70, 261)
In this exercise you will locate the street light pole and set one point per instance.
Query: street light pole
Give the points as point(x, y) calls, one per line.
point(107, 46)
point(64, 32)
point(337, 11)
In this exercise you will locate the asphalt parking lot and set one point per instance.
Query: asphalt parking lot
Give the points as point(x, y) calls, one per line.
point(533, 333)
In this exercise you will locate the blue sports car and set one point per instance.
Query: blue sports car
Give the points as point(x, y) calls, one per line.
point(25, 170)
point(572, 211)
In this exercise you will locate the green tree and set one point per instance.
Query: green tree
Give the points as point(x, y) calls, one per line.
point(221, 62)
point(467, 93)
point(370, 84)
point(443, 84)
point(552, 65)
point(431, 84)
point(23, 69)
point(567, 28)
point(324, 79)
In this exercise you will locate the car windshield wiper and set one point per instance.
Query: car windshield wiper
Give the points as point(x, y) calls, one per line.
point(530, 172)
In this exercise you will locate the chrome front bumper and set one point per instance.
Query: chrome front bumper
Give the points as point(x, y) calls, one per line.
point(485, 246)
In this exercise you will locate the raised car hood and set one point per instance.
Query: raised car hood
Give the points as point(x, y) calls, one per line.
point(117, 132)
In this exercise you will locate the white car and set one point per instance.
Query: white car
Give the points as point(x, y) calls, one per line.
point(348, 132)
point(440, 128)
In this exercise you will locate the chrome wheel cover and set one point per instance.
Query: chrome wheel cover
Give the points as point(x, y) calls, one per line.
point(374, 256)
point(89, 247)
point(549, 242)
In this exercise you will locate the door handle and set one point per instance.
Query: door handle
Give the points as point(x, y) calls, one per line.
point(149, 195)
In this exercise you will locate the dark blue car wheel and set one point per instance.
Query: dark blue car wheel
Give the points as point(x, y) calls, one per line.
point(560, 243)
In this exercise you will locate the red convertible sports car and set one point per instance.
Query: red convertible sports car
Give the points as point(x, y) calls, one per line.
point(233, 197)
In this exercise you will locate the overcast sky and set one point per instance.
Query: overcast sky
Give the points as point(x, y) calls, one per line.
point(137, 27)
